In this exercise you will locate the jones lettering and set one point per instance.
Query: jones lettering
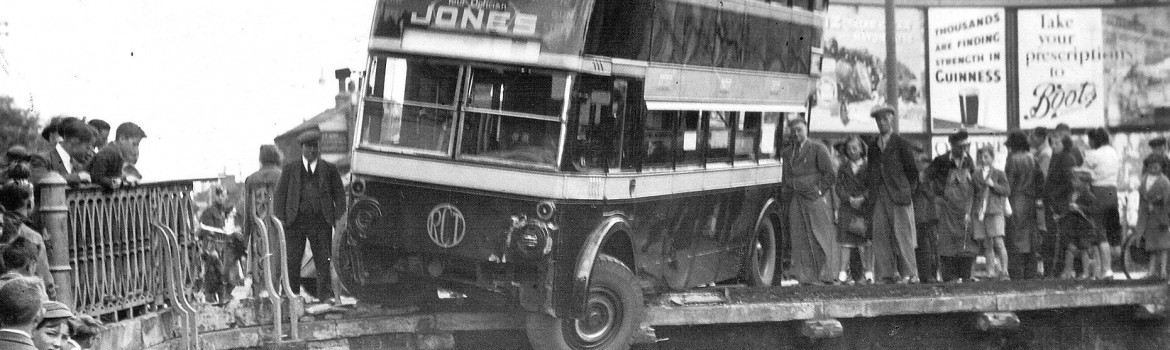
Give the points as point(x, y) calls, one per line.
point(476, 19)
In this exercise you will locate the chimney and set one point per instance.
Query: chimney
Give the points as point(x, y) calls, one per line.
point(343, 95)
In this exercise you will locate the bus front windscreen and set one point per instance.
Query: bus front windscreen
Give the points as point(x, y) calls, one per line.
point(504, 115)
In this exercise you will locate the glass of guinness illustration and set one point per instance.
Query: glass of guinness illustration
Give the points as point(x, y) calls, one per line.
point(969, 106)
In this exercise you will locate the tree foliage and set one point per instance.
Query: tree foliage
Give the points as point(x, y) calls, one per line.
point(18, 127)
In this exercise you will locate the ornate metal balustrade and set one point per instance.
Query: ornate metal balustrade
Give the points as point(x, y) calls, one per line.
point(129, 251)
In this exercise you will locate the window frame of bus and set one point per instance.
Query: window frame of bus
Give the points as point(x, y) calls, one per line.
point(465, 109)
point(736, 127)
point(459, 111)
point(368, 97)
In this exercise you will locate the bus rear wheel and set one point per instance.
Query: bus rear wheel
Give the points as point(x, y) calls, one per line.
point(613, 311)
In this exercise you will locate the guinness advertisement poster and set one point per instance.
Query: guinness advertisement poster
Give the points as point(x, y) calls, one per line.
point(559, 25)
point(968, 78)
point(1061, 61)
point(853, 70)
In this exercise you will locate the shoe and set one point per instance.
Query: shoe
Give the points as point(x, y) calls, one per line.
point(915, 280)
point(850, 282)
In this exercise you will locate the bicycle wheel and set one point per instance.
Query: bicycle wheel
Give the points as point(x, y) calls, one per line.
point(1135, 261)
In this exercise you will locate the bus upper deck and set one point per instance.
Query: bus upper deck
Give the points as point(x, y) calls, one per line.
point(588, 87)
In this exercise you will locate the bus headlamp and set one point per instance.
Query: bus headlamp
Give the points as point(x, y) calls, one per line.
point(364, 214)
point(530, 238)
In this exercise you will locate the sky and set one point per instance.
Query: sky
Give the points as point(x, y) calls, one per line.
point(209, 81)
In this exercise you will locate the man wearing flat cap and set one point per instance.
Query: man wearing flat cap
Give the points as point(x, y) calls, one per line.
point(951, 177)
point(309, 199)
point(892, 177)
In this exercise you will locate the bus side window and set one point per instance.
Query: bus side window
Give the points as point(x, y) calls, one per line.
point(592, 144)
point(771, 128)
point(747, 137)
point(687, 139)
point(719, 136)
point(658, 130)
point(628, 111)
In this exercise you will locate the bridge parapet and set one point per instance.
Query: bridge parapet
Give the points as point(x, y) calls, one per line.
point(114, 254)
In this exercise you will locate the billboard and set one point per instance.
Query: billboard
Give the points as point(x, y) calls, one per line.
point(853, 70)
point(968, 78)
point(1061, 64)
point(1138, 72)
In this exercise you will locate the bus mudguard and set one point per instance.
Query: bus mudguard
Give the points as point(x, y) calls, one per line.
point(584, 267)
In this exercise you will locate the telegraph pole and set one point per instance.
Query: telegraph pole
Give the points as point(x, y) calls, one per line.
point(892, 63)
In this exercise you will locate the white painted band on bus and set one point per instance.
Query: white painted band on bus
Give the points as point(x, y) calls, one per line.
point(705, 106)
point(564, 186)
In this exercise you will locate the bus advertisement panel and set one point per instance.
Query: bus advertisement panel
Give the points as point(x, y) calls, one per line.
point(968, 86)
point(558, 26)
point(853, 72)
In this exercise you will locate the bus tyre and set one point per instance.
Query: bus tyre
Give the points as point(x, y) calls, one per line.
point(613, 311)
point(760, 264)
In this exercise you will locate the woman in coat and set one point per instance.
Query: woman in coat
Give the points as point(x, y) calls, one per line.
point(1023, 176)
point(1154, 213)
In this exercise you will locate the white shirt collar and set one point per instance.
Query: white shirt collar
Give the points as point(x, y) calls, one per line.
point(17, 331)
point(65, 158)
point(312, 167)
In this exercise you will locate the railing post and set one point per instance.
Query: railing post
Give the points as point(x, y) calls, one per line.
point(53, 212)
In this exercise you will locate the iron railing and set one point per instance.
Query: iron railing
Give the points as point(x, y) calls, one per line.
point(133, 250)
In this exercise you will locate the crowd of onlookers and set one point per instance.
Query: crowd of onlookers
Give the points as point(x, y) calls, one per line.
point(1050, 212)
point(79, 152)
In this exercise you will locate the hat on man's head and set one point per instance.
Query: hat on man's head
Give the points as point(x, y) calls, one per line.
point(309, 136)
point(54, 309)
point(17, 153)
point(879, 109)
point(1157, 142)
point(958, 138)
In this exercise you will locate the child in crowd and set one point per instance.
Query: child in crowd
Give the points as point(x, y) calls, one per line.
point(853, 211)
point(1154, 213)
point(1081, 233)
point(991, 191)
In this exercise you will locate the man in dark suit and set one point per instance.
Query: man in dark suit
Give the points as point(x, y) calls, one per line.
point(893, 176)
point(20, 311)
point(309, 199)
point(69, 156)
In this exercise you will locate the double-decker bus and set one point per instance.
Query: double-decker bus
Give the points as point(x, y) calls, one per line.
point(569, 157)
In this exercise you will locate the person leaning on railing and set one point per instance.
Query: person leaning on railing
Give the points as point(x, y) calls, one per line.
point(68, 157)
point(109, 167)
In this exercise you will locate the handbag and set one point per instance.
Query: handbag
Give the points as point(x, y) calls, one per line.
point(857, 226)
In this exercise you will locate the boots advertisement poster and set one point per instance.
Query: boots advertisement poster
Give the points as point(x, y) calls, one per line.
point(853, 70)
point(968, 86)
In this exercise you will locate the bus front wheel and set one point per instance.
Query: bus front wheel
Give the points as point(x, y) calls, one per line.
point(613, 312)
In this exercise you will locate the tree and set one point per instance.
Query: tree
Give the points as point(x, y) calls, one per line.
point(19, 127)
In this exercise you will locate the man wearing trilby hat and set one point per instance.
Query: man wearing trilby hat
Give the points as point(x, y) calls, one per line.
point(892, 177)
point(308, 200)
